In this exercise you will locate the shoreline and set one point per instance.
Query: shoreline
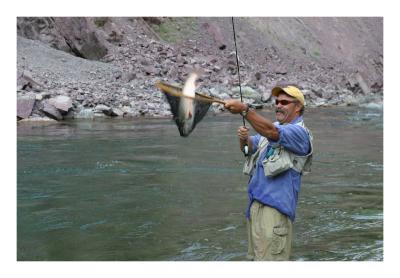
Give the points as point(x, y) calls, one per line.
point(224, 113)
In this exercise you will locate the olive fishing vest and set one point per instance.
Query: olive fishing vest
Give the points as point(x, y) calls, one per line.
point(280, 159)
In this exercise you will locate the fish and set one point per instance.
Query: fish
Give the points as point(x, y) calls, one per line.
point(187, 105)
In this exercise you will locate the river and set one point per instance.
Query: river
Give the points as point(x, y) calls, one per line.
point(134, 189)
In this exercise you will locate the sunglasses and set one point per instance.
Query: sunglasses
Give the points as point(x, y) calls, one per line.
point(284, 102)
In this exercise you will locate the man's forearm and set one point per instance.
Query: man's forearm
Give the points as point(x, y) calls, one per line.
point(262, 125)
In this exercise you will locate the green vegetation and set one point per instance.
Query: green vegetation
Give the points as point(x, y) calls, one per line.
point(100, 21)
point(175, 29)
point(316, 53)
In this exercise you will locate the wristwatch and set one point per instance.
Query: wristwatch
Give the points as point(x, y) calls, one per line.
point(244, 112)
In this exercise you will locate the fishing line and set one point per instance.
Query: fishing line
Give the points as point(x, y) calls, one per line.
point(245, 147)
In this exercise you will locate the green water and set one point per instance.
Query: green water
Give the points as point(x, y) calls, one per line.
point(135, 190)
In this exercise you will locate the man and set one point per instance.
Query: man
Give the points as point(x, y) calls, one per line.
point(278, 155)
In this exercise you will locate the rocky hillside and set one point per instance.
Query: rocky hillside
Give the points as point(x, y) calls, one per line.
point(105, 67)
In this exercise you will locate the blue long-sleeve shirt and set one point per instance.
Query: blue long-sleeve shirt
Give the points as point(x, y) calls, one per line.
point(281, 191)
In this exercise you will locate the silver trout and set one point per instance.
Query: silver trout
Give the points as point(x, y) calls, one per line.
point(187, 106)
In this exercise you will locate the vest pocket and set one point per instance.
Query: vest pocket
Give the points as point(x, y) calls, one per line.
point(279, 162)
point(279, 239)
point(249, 164)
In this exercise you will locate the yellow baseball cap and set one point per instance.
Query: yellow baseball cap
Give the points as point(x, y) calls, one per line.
point(291, 91)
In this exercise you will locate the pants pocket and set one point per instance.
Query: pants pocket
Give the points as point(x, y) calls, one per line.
point(279, 239)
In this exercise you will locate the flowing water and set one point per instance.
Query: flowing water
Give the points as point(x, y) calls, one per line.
point(136, 190)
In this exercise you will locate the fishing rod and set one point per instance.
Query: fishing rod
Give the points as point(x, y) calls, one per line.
point(245, 147)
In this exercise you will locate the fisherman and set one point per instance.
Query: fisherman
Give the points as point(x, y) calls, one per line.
point(278, 156)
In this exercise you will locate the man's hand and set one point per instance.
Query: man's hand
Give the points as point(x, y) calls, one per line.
point(243, 133)
point(235, 106)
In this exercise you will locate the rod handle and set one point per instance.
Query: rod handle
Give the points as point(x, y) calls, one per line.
point(246, 150)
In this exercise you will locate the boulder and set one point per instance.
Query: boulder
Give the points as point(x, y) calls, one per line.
point(81, 36)
point(357, 84)
point(26, 82)
point(42, 29)
point(117, 112)
point(363, 85)
point(248, 92)
point(101, 108)
point(25, 105)
point(62, 103)
point(51, 111)
point(70, 115)
point(266, 96)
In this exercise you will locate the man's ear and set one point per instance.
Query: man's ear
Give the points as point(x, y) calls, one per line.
point(298, 107)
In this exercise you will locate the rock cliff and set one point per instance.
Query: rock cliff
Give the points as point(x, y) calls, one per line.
point(107, 67)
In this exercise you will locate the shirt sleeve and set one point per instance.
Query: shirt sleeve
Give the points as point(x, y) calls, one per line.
point(292, 137)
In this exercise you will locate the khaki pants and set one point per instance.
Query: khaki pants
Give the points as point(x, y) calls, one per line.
point(269, 234)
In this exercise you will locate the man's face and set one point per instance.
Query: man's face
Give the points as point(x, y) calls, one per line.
point(286, 108)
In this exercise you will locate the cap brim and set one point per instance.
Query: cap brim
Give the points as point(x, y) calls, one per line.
point(275, 91)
